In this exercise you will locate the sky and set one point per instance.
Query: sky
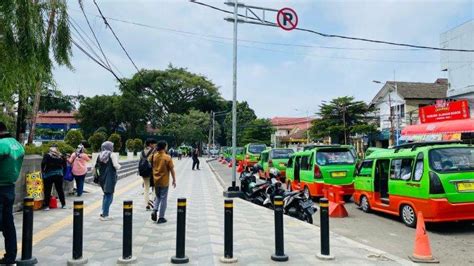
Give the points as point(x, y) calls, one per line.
point(280, 73)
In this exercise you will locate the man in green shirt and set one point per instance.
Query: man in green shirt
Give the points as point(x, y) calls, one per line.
point(11, 159)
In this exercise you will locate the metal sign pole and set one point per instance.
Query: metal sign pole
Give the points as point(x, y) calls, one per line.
point(234, 99)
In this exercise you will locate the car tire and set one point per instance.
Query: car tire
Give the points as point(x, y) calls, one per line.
point(408, 215)
point(306, 192)
point(364, 204)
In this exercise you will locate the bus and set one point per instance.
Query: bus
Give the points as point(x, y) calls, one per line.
point(435, 178)
point(252, 152)
point(329, 164)
point(277, 158)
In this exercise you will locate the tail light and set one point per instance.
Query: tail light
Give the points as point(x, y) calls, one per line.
point(436, 187)
point(317, 171)
point(247, 157)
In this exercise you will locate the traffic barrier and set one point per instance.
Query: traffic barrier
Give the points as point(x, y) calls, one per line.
point(335, 195)
point(77, 234)
point(127, 257)
point(180, 257)
point(228, 232)
point(27, 234)
point(324, 229)
point(422, 251)
point(279, 241)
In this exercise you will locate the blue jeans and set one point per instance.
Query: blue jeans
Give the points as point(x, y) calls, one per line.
point(161, 200)
point(79, 184)
point(106, 202)
point(7, 224)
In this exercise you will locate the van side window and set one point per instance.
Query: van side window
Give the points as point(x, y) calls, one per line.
point(418, 167)
point(305, 163)
point(401, 169)
point(365, 168)
point(290, 162)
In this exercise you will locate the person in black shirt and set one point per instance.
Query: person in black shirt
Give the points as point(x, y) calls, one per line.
point(195, 155)
point(53, 166)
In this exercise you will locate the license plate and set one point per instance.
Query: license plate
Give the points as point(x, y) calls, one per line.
point(465, 187)
point(338, 174)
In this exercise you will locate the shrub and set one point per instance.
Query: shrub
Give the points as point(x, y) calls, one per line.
point(63, 147)
point(137, 145)
point(32, 149)
point(117, 140)
point(130, 145)
point(74, 137)
point(96, 140)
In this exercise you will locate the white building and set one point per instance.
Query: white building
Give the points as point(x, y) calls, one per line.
point(460, 65)
point(397, 105)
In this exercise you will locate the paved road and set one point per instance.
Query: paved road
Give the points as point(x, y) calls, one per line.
point(155, 244)
point(452, 243)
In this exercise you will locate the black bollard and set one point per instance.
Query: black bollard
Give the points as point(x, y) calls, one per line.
point(279, 241)
point(228, 232)
point(127, 257)
point(180, 257)
point(77, 234)
point(324, 212)
point(27, 234)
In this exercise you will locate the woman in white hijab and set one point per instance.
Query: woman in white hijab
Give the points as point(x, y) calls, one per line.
point(107, 165)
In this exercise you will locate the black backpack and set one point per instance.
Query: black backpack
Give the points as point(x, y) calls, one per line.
point(144, 166)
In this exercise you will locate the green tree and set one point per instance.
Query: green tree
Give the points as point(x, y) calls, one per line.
point(341, 118)
point(74, 138)
point(99, 111)
point(174, 90)
point(245, 115)
point(35, 34)
point(259, 130)
point(96, 140)
point(130, 145)
point(117, 140)
point(191, 128)
point(54, 100)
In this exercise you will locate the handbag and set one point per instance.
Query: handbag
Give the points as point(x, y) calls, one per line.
point(68, 176)
point(96, 172)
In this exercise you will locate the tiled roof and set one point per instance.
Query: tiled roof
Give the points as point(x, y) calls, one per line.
point(415, 90)
point(291, 122)
point(55, 117)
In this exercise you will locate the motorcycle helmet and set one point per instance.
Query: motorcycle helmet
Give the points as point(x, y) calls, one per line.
point(274, 172)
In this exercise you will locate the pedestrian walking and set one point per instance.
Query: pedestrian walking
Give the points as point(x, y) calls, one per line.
point(11, 159)
point(78, 161)
point(150, 146)
point(195, 156)
point(53, 166)
point(107, 165)
point(162, 166)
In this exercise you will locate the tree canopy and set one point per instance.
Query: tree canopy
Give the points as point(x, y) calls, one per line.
point(99, 111)
point(259, 130)
point(173, 90)
point(245, 115)
point(190, 128)
point(341, 118)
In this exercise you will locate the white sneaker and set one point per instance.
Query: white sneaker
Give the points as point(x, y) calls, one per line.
point(106, 218)
point(46, 209)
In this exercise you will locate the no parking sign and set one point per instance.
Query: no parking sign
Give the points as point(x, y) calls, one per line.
point(287, 19)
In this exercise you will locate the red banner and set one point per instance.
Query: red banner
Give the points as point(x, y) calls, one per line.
point(444, 111)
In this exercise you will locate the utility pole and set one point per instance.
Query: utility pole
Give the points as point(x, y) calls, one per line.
point(344, 110)
point(308, 126)
point(392, 136)
point(213, 130)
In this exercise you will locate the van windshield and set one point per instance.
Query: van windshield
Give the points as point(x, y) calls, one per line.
point(452, 159)
point(239, 150)
point(334, 156)
point(257, 148)
point(281, 154)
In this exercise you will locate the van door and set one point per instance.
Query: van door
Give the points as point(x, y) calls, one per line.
point(381, 180)
point(401, 184)
point(306, 172)
point(364, 180)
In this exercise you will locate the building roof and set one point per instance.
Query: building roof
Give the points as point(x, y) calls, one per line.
point(291, 122)
point(416, 90)
point(55, 117)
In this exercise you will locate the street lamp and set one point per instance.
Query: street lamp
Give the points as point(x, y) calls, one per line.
point(392, 129)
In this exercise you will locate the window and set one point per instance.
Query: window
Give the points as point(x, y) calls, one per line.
point(290, 162)
point(305, 165)
point(418, 167)
point(256, 148)
point(365, 168)
point(265, 157)
point(401, 169)
point(281, 153)
point(457, 159)
point(334, 156)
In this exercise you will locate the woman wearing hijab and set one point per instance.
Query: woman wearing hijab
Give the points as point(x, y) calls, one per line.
point(107, 165)
point(78, 161)
point(52, 167)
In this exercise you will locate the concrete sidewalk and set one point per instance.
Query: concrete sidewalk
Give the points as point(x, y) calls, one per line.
point(154, 244)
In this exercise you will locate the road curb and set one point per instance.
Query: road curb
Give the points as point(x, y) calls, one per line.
point(216, 175)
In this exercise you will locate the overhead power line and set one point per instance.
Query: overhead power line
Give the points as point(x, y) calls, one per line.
point(272, 24)
point(115, 35)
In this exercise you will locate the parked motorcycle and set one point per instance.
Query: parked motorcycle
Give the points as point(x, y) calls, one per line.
point(253, 191)
point(295, 204)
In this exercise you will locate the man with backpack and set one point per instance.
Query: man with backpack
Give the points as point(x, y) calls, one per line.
point(145, 171)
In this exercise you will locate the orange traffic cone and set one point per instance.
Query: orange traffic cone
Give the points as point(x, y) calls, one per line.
point(422, 251)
